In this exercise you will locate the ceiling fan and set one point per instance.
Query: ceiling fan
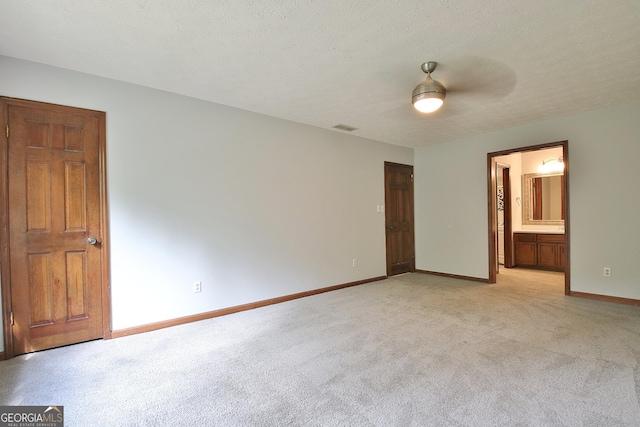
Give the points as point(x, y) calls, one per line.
point(471, 81)
point(429, 95)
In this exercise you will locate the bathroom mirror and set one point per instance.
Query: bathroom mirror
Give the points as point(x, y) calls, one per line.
point(543, 197)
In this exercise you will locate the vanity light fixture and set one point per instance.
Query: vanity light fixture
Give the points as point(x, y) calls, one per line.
point(429, 95)
point(552, 165)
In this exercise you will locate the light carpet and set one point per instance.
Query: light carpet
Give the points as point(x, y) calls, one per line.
point(412, 350)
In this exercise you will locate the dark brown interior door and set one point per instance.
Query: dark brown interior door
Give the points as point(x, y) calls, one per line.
point(54, 215)
point(398, 181)
point(508, 219)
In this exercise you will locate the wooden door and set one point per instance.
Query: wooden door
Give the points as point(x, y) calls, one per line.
point(399, 218)
point(55, 211)
point(508, 219)
point(503, 215)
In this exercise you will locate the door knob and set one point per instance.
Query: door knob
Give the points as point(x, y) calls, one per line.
point(92, 240)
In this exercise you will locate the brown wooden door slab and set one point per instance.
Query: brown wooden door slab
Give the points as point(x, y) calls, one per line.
point(54, 207)
point(508, 219)
point(399, 223)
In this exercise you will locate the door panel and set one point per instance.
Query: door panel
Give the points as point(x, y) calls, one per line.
point(55, 205)
point(399, 218)
point(526, 254)
point(547, 255)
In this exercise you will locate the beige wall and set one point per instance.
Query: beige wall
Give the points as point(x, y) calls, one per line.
point(524, 163)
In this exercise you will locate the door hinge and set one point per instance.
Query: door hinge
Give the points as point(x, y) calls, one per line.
point(411, 174)
point(7, 131)
point(11, 318)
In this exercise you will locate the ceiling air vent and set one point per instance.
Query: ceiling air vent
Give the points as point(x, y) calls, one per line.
point(345, 127)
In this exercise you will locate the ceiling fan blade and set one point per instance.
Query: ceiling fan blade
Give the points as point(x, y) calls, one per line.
point(478, 78)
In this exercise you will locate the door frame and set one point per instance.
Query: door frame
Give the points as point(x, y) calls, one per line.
point(493, 229)
point(5, 272)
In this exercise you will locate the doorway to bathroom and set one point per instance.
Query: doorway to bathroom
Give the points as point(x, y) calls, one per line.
point(528, 217)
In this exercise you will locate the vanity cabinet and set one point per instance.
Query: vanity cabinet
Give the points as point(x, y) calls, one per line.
point(539, 250)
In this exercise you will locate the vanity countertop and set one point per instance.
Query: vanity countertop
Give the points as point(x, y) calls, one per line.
point(541, 231)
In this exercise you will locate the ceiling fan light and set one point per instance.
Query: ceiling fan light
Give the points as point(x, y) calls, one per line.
point(428, 96)
point(427, 105)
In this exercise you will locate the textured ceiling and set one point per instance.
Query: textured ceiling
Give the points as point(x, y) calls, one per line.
point(504, 62)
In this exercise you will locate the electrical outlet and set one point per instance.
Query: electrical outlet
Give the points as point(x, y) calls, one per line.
point(197, 287)
point(607, 272)
point(354, 263)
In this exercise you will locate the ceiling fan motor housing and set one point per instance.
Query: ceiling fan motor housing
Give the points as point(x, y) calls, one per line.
point(429, 86)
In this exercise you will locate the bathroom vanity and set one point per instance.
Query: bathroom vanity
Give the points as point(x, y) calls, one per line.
point(544, 251)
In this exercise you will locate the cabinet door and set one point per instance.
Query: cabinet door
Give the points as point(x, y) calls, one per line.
point(526, 253)
point(561, 256)
point(547, 255)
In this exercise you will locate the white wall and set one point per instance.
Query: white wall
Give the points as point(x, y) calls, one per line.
point(604, 159)
point(254, 207)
